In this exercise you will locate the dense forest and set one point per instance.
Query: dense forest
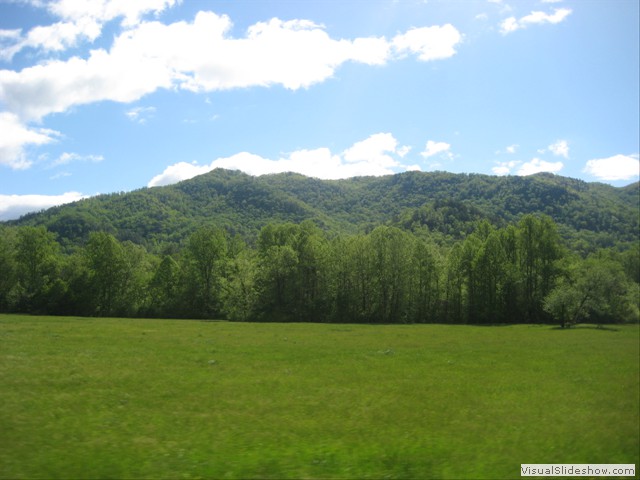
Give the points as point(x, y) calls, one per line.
point(589, 215)
point(408, 248)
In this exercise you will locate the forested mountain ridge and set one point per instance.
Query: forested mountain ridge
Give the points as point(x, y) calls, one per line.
point(407, 248)
point(589, 215)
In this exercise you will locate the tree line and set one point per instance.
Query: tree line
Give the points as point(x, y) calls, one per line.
point(521, 273)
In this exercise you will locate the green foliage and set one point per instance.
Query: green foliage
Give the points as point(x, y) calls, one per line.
point(413, 247)
point(239, 287)
point(36, 267)
point(8, 265)
point(206, 257)
point(164, 288)
point(589, 215)
point(110, 398)
point(539, 251)
point(595, 288)
point(518, 273)
point(108, 278)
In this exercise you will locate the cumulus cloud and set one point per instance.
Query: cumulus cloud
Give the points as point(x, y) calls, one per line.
point(178, 172)
point(512, 24)
point(505, 168)
point(618, 167)
point(528, 168)
point(121, 76)
point(294, 54)
point(434, 148)
point(79, 20)
point(13, 206)
point(536, 166)
point(105, 10)
point(202, 56)
point(375, 155)
point(560, 148)
point(374, 150)
point(429, 43)
point(16, 137)
point(403, 151)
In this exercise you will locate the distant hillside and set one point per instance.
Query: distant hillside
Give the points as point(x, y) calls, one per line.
point(589, 215)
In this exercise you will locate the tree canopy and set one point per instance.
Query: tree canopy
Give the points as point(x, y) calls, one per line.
point(520, 273)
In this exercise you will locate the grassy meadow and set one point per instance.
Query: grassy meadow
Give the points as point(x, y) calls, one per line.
point(122, 398)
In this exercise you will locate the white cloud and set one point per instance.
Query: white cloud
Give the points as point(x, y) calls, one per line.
point(510, 149)
point(560, 148)
point(509, 25)
point(505, 168)
point(528, 168)
point(199, 56)
point(295, 54)
point(80, 20)
point(557, 16)
point(536, 166)
point(373, 151)
point(140, 114)
point(60, 35)
point(67, 158)
point(16, 137)
point(177, 172)
point(430, 43)
point(105, 10)
point(13, 206)
point(372, 156)
point(121, 75)
point(403, 151)
point(202, 56)
point(434, 148)
point(13, 34)
point(512, 24)
point(618, 167)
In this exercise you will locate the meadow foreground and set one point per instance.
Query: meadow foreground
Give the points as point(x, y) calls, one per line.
point(95, 398)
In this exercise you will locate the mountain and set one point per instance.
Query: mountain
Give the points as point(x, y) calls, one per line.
point(589, 215)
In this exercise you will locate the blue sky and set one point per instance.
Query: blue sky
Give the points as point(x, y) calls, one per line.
point(101, 96)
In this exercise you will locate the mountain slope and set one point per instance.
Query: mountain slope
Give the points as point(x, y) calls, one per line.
point(589, 213)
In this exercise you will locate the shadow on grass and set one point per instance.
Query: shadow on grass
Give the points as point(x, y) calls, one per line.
point(606, 328)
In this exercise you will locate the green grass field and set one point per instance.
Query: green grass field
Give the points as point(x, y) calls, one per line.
point(121, 398)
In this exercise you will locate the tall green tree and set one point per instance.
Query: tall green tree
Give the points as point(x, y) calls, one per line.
point(277, 281)
point(207, 254)
point(454, 305)
point(360, 264)
point(37, 258)
point(425, 271)
point(312, 248)
point(489, 277)
point(391, 249)
point(240, 289)
point(108, 271)
point(8, 267)
point(165, 288)
point(539, 250)
point(510, 288)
